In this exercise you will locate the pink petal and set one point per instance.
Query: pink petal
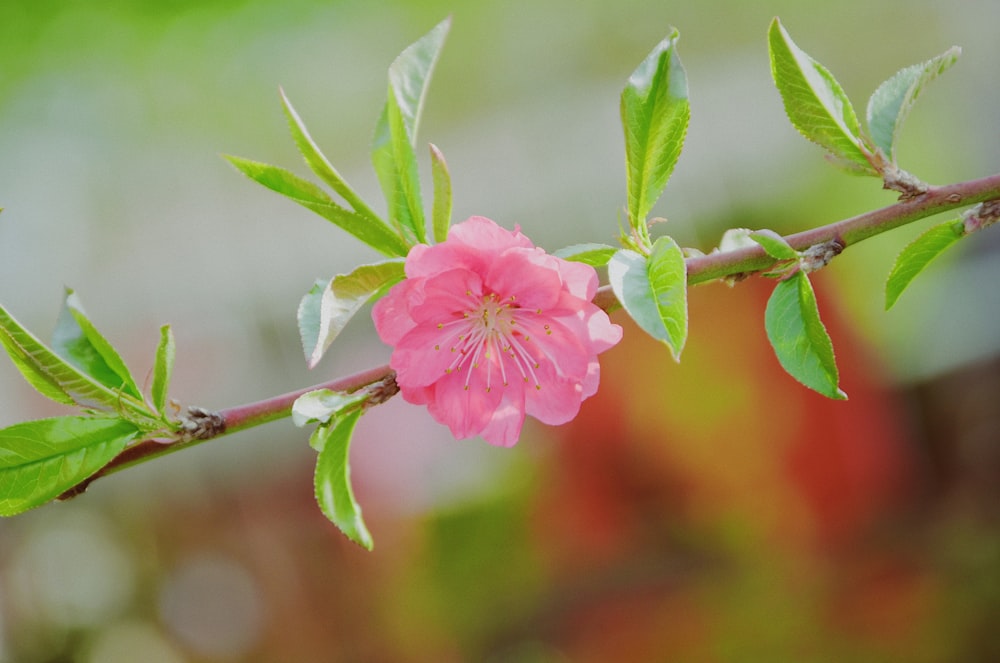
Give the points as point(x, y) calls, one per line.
point(555, 346)
point(482, 234)
point(504, 427)
point(424, 355)
point(447, 296)
point(528, 275)
point(466, 411)
point(579, 279)
point(425, 261)
point(391, 313)
point(558, 400)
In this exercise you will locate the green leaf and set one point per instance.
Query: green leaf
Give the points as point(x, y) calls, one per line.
point(77, 340)
point(375, 234)
point(892, 101)
point(799, 338)
point(735, 239)
point(321, 405)
point(655, 113)
point(333, 479)
point(319, 164)
point(595, 255)
point(163, 369)
point(39, 460)
point(814, 101)
point(441, 211)
point(918, 254)
point(327, 308)
point(774, 244)
point(396, 132)
point(58, 379)
point(653, 291)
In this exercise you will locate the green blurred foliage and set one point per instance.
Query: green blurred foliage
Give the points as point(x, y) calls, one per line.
point(712, 510)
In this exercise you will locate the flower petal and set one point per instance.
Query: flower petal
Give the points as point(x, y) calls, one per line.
point(425, 355)
point(391, 313)
point(558, 399)
point(466, 410)
point(482, 234)
point(579, 278)
point(527, 275)
point(447, 296)
point(551, 343)
point(504, 427)
point(488, 328)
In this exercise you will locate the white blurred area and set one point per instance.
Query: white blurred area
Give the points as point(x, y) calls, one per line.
point(112, 184)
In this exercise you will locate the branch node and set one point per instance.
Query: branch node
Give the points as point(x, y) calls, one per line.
point(201, 424)
point(981, 216)
point(818, 256)
point(895, 178)
point(381, 391)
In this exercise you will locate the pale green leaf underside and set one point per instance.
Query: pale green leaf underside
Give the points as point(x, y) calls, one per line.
point(322, 405)
point(305, 193)
point(654, 291)
point(814, 101)
point(655, 113)
point(333, 479)
point(892, 100)
point(918, 254)
point(327, 308)
point(41, 459)
point(799, 339)
point(595, 255)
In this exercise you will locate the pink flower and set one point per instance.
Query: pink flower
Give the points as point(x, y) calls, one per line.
point(487, 328)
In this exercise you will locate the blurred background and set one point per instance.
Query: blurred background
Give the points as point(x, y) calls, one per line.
point(708, 511)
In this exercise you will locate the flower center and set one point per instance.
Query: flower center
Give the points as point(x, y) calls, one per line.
point(492, 336)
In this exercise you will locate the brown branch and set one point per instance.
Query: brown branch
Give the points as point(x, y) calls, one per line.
point(201, 425)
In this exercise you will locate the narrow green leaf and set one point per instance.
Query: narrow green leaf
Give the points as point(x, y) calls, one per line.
point(305, 193)
point(918, 254)
point(814, 101)
point(655, 113)
point(893, 99)
point(320, 165)
point(163, 369)
point(326, 309)
point(41, 459)
point(774, 244)
point(77, 340)
point(393, 147)
point(654, 291)
point(441, 211)
point(333, 479)
point(595, 255)
point(799, 338)
point(55, 377)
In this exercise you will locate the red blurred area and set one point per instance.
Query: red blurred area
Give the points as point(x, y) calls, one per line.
point(711, 510)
